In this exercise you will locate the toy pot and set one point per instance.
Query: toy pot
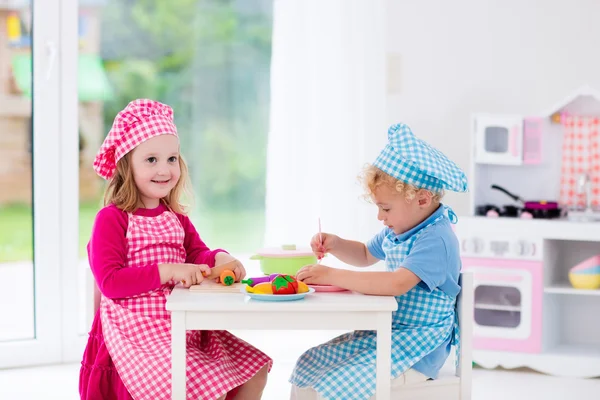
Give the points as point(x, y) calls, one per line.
point(284, 260)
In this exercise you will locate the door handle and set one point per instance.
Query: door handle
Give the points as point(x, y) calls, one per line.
point(51, 53)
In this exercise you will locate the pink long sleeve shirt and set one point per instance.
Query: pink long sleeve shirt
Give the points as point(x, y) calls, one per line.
point(107, 253)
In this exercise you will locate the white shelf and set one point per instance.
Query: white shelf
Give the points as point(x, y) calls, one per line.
point(554, 229)
point(567, 360)
point(497, 307)
point(565, 288)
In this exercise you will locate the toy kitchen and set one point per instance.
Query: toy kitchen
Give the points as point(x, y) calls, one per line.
point(532, 240)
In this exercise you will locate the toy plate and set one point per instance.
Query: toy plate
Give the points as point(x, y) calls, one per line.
point(327, 288)
point(277, 297)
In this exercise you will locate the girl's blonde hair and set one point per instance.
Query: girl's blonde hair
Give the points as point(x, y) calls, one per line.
point(373, 178)
point(123, 193)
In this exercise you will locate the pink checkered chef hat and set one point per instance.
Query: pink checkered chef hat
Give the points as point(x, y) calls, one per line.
point(141, 120)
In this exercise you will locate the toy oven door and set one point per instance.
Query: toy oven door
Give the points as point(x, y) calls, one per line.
point(503, 303)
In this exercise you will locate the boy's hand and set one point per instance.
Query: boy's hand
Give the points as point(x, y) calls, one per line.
point(317, 274)
point(224, 261)
point(323, 243)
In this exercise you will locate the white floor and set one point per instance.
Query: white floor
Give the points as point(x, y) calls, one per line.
point(60, 383)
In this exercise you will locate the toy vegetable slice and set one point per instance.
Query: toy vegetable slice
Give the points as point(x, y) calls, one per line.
point(302, 287)
point(261, 279)
point(227, 277)
point(284, 284)
point(262, 288)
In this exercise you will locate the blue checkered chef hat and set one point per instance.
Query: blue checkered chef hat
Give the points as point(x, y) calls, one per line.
point(413, 161)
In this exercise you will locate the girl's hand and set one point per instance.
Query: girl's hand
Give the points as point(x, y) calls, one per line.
point(187, 274)
point(224, 261)
point(323, 243)
point(316, 274)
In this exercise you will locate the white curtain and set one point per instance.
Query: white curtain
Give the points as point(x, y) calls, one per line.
point(327, 99)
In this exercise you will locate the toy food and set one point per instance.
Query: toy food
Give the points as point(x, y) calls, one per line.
point(275, 284)
point(302, 287)
point(293, 280)
point(284, 284)
point(260, 288)
point(254, 281)
point(227, 277)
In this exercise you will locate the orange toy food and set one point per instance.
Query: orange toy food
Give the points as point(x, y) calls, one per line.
point(227, 277)
point(261, 288)
point(302, 287)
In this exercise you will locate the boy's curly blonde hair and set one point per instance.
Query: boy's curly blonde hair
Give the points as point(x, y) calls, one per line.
point(373, 178)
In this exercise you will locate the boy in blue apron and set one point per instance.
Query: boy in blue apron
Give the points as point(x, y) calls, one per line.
point(421, 253)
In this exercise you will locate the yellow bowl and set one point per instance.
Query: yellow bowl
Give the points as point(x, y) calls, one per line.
point(585, 281)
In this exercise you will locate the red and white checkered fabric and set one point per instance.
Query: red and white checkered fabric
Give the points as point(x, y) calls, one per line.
point(141, 120)
point(137, 330)
point(581, 154)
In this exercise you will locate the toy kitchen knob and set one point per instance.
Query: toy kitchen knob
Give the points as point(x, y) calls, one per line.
point(473, 246)
point(524, 248)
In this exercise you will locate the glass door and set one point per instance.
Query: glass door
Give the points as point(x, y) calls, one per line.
point(61, 84)
point(29, 177)
point(210, 61)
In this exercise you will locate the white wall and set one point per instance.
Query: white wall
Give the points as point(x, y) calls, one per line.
point(464, 56)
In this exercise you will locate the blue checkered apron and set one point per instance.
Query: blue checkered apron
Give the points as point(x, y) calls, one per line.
point(345, 369)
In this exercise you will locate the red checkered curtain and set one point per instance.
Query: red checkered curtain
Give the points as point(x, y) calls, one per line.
point(581, 154)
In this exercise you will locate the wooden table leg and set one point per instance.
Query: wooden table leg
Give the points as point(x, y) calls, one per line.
point(384, 355)
point(178, 353)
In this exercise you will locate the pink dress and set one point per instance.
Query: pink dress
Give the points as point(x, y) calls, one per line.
point(133, 330)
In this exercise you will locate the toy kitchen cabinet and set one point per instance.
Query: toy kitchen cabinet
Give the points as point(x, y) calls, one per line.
point(521, 248)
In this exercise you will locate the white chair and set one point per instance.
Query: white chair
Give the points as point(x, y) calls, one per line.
point(457, 385)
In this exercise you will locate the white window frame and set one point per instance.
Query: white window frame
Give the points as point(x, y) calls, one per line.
point(45, 347)
point(73, 341)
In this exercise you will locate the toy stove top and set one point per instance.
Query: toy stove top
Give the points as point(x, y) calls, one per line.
point(525, 209)
point(501, 246)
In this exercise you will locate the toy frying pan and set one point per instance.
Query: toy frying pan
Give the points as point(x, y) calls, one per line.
point(530, 205)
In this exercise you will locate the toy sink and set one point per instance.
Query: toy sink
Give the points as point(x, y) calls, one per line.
point(286, 259)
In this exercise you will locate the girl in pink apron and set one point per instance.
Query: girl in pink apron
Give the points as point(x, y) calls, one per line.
point(142, 244)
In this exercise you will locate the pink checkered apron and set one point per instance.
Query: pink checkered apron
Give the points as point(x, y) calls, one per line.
point(137, 330)
point(581, 154)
